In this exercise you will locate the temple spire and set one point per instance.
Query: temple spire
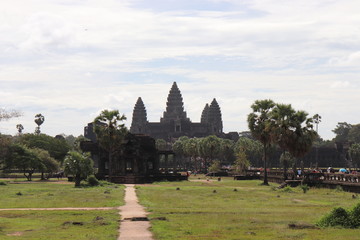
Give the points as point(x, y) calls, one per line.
point(174, 105)
point(214, 117)
point(205, 114)
point(139, 119)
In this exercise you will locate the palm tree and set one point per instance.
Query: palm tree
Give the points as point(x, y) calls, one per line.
point(110, 132)
point(261, 125)
point(39, 119)
point(283, 117)
point(20, 128)
point(303, 134)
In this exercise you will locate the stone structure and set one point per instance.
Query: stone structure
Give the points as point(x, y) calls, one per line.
point(137, 161)
point(175, 122)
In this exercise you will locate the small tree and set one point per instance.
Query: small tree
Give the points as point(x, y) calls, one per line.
point(48, 164)
point(215, 166)
point(241, 163)
point(79, 165)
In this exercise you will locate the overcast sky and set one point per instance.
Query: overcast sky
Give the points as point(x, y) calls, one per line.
point(69, 59)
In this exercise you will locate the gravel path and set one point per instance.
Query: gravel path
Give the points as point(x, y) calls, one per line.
point(134, 224)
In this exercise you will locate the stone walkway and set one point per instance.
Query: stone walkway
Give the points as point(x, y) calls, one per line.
point(134, 223)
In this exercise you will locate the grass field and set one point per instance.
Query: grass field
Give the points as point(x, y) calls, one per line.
point(48, 195)
point(252, 211)
point(56, 225)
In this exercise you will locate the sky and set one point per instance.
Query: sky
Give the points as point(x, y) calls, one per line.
point(68, 60)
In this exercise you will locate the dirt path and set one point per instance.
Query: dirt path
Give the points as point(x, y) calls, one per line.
point(134, 224)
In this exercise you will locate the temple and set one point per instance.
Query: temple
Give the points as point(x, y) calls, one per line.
point(175, 122)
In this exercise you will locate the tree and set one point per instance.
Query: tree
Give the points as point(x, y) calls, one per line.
point(260, 125)
point(5, 144)
point(57, 147)
point(48, 164)
point(215, 166)
point(79, 165)
point(7, 114)
point(253, 149)
point(110, 131)
point(342, 130)
point(303, 135)
point(241, 163)
point(39, 119)
point(160, 144)
point(23, 158)
point(283, 116)
point(354, 152)
point(20, 128)
point(191, 149)
point(227, 154)
point(179, 149)
point(209, 149)
point(354, 134)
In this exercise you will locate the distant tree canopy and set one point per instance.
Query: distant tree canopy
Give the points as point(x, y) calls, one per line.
point(57, 147)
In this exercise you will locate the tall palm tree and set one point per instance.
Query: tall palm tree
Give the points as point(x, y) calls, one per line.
point(261, 125)
point(110, 131)
point(283, 120)
point(303, 134)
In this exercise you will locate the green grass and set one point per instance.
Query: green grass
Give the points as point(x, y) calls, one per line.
point(59, 225)
point(46, 195)
point(94, 224)
point(252, 212)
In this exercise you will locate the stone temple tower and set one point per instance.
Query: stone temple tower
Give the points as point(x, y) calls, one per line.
point(175, 122)
point(139, 119)
point(211, 116)
point(174, 106)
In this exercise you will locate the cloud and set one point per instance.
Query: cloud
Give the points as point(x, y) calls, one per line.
point(70, 59)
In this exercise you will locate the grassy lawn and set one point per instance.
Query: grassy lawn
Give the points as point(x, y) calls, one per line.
point(54, 225)
point(59, 225)
point(251, 212)
point(47, 195)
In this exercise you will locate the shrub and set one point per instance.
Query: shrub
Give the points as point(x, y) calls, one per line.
point(305, 188)
point(2, 183)
point(339, 188)
point(355, 216)
point(337, 217)
point(92, 181)
point(287, 189)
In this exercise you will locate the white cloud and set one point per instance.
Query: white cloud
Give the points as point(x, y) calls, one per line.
point(70, 59)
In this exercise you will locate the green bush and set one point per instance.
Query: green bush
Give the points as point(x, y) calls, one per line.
point(287, 189)
point(92, 181)
point(2, 183)
point(305, 188)
point(355, 216)
point(337, 217)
